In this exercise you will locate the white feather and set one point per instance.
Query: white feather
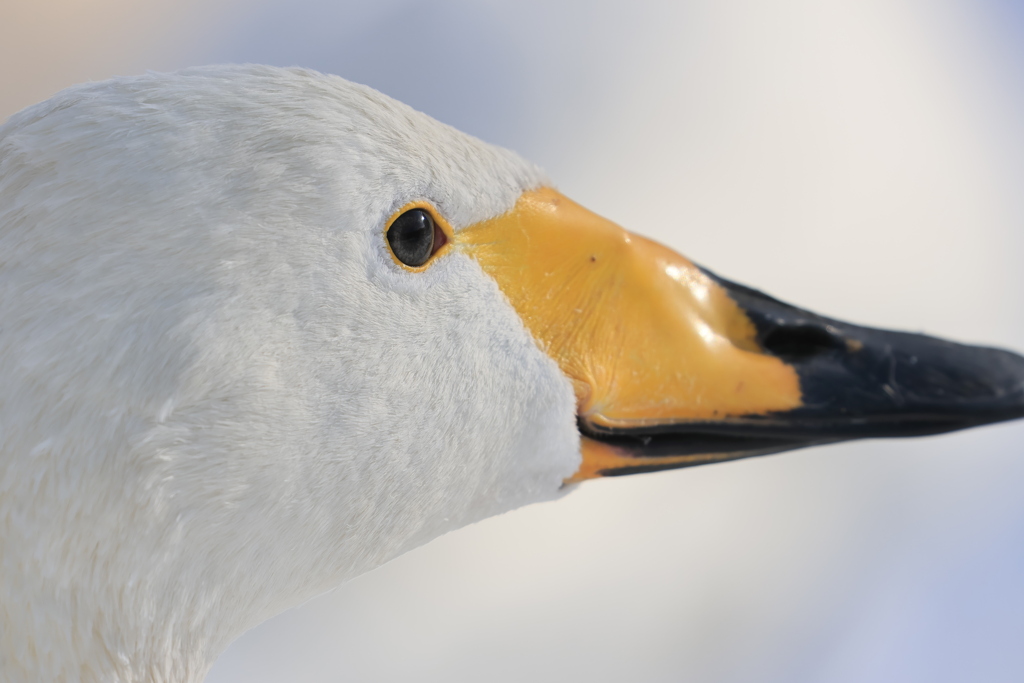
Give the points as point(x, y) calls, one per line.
point(218, 394)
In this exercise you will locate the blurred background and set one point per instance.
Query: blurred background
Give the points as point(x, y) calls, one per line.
point(862, 158)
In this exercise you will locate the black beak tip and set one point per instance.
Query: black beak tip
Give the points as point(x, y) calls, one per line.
point(861, 382)
point(996, 391)
point(909, 385)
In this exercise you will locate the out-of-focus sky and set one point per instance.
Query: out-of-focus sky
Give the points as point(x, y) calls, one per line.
point(862, 158)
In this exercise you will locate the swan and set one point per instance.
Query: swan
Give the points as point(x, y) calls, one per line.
point(263, 329)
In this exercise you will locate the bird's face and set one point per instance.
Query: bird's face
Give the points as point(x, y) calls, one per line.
point(308, 328)
point(669, 364)
point(462, 339)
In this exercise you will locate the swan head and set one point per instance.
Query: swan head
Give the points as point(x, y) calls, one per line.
point(265, 329)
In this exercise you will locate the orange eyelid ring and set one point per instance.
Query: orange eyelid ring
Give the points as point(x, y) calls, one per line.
point(441, 226)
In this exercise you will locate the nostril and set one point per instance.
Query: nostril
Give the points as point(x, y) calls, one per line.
point(797, 342)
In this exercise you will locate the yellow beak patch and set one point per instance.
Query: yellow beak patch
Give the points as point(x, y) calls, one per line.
point(645, 336)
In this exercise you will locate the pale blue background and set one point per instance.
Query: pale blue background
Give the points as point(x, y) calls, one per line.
point(862, 158)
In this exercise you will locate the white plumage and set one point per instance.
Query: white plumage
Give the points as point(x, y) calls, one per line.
point(226, 383)
point(218, 394)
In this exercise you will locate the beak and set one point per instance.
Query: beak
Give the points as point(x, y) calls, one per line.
point(674, 366)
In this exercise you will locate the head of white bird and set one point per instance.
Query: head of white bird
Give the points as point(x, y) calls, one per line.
point(264, 329)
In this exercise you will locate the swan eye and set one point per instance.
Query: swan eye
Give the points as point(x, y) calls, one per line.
point(413, 237)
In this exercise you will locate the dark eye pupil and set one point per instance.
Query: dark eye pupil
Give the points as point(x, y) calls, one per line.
point(411, 237)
